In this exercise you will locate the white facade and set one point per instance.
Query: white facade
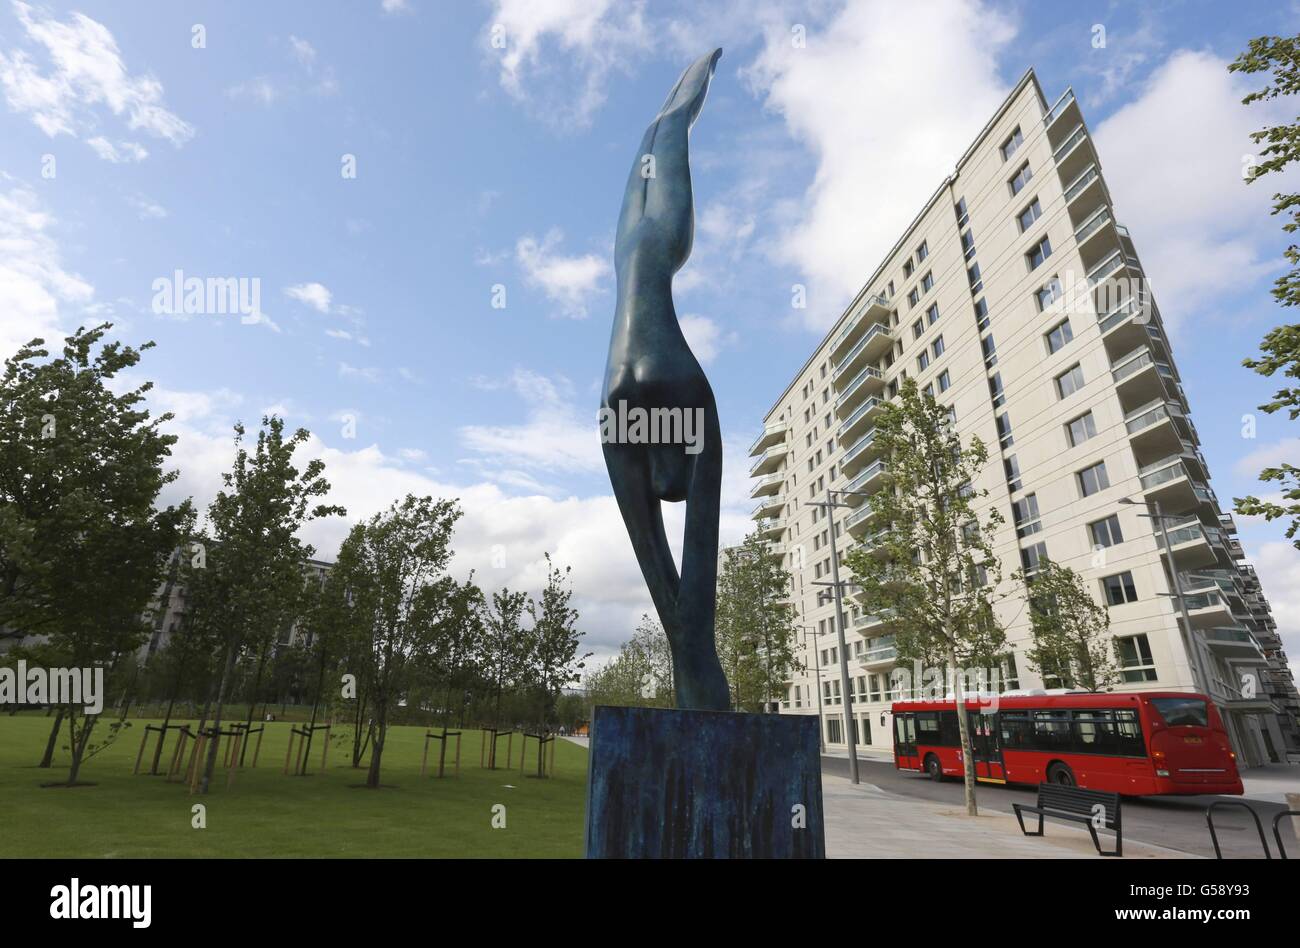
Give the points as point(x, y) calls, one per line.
point(1047, 352)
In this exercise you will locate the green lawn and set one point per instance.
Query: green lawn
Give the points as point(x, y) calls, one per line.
point(267, 814)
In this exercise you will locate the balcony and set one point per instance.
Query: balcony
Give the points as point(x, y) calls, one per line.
point(766, 486)
point(874, 309)
point(770, 506)
point(1065, 105)
point(1123, 326)
point(1156, 430)
point(873, 544)
point(769, 527)
point(1074, 153)
point(1169, 482)
point(867, 623)
point(1207, 609)
point(770, 435)
point(1085, 193)
point(769, 460)
point(880, 653)
point(873, 344)
point(1096, 236)
point(871, 478)
point(856, 523)
point(1191, 542)
point(865, 412)
point(870, 381)
point(1234, 644)
point(859, 453)
point(1141, 378)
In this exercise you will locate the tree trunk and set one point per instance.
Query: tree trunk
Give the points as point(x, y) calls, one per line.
point(963, 727)
point(377, 750)
point(79, 745)
point(53, 740)
point(215, 744)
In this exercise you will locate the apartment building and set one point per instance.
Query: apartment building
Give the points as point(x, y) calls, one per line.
point(1017, 299)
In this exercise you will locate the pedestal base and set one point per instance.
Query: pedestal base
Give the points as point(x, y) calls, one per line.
point(667, 783)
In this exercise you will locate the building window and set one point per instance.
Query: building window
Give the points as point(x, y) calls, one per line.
point(1026, 516)
point(1119, 588)
point(1040, 252)
point(990, 349)
point(929, 390)
point(981, 314)
point(1081, 429)
point(927, 281)
point(833, 732)
point(1106, 532)
point(907, 269)
point(1069, 381)
point(1021, 179)
point(1049, 293)
point(937, 346)
point(973, 275)
point(1004, 431)
point(1012, 468)
point(913, 297)
point(1011, 144)
point(1029, 215)
point(1031, 557)
point(932, 314)
point(1135, 659)
point(1093, 479)
point(923, 361)
point(922, 251)
point(963, 218)
point(918, 328)
point(967, 244)
point(1059, 335)
point(945, 381)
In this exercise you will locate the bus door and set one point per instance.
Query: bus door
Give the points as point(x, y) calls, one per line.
point(987, 747)
point(905, 757)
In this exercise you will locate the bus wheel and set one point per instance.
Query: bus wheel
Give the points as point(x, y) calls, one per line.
point(933, 767)
point(1061, 775)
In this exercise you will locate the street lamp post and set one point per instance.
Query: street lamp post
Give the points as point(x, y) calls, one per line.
point(817, 666)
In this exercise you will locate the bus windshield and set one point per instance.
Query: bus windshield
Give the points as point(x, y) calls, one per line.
point(1180, 711)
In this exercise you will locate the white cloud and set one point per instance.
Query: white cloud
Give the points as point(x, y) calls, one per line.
point(1268, 455)
point(1278, 565)
point(569, 281)
point(558, 54)
point(886, 102)
point(393, 7)
point(35, 288)
point(554, 438)
point(703, 336)
point(120, 153)
point(260, 89)
point(147, 209)
point(85, 71)
point(367, 374)
point(302, 51)
point(315, 295)
point(1174, 164)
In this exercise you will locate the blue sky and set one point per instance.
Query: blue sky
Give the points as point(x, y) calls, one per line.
point(491, 141)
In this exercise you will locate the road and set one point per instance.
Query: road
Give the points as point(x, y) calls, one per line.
point(1173, 822)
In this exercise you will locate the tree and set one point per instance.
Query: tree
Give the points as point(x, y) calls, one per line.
point(755, 624)
point(1072, 643)
point(503, 653)
point(932, 570)
point(553, 657)
point(1280, 349)
point(650, 650)
point(83, 544)
point(394, 567)
point(254, 569)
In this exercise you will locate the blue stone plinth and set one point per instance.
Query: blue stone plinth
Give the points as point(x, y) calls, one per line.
point(666, 783)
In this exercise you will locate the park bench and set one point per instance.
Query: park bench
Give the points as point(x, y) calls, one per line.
point(1077, 806)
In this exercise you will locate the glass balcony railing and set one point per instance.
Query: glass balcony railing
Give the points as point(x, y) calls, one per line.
point(1104, 269)
point(1120, 313)
point(868, 474)
point(875, 300)
point(1061, 105)
point(1171, 471)
point(1149, 415)
point(862, 513)
point(1099, 219)
point(1082, 181)
point(769, 431)
point(867, 374)
point(877, 329)
point(1067, 146)
point(858, 414)
point(858, 447)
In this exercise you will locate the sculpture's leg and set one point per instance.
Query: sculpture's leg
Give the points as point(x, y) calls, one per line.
point(700, 681)
point(630, 476)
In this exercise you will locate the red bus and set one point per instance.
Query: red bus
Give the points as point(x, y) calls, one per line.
point(1135, 743)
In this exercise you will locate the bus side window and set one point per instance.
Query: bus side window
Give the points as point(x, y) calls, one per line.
point(1015, 730)
point(1052, 731)
point(949, 734)
point(1128, 734)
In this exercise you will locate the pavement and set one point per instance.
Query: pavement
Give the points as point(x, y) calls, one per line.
point(866, 822)
point(1272, 782)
